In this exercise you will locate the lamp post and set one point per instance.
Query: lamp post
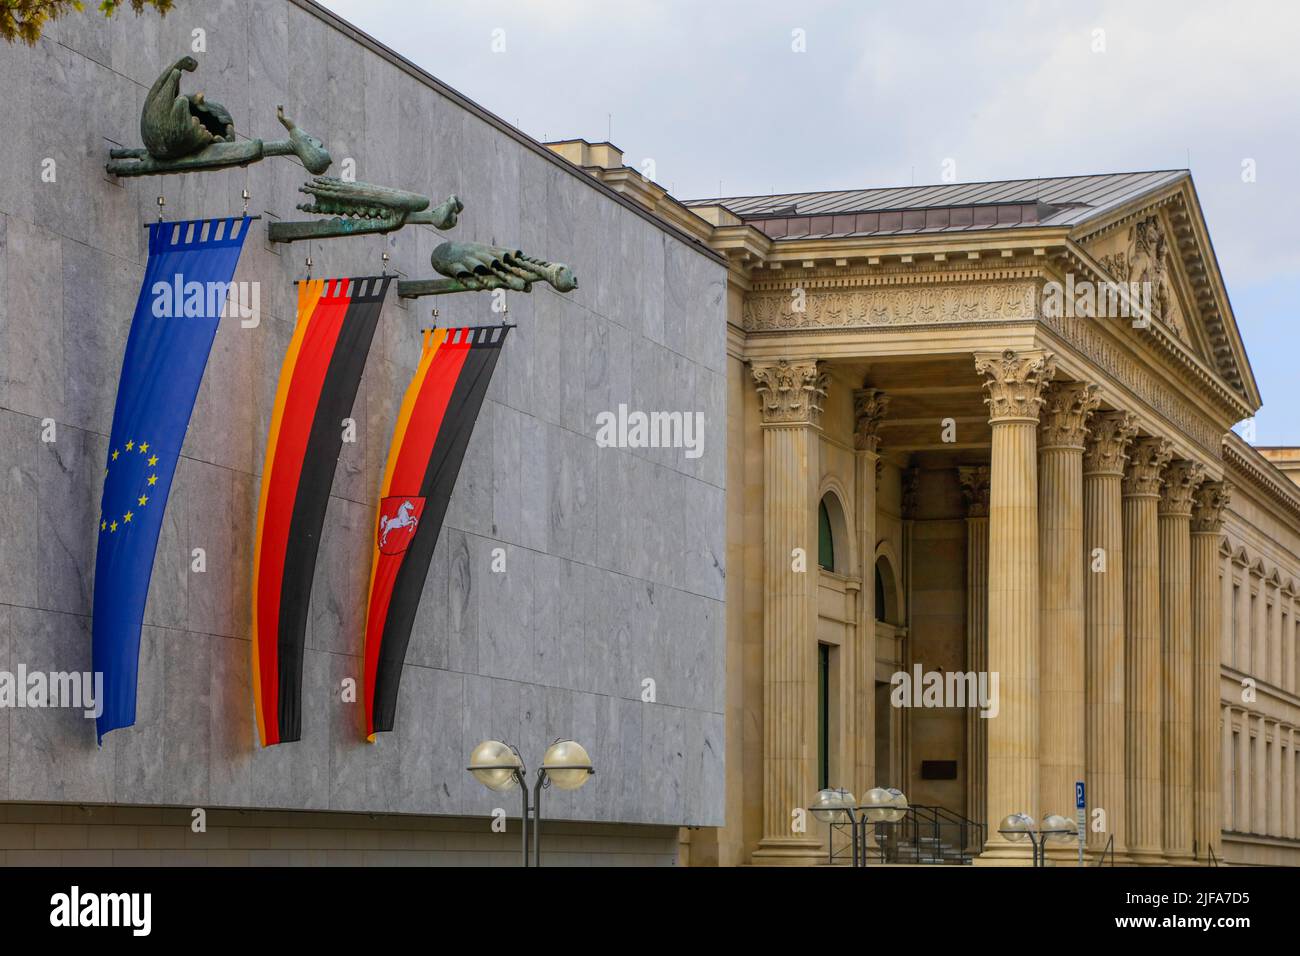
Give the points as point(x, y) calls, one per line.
point(1018, 827)
point(499, 767)
point(831, 806)
point(883, 805)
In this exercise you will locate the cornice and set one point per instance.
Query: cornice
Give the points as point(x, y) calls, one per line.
point(1254, 470)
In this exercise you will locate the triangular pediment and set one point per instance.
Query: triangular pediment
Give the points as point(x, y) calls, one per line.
point(1160, 242)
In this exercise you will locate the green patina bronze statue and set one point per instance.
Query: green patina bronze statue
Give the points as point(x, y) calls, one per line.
point(360, 209)
point(190, 133)
point(474, 266)
point(363, 208)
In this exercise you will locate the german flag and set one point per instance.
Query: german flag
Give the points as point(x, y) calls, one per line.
point(433, 429)
point(318, 384)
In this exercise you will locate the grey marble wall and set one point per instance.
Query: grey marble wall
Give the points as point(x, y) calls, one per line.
point(614, 556)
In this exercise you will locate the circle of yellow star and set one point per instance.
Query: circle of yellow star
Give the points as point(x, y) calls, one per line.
point(153, 460)
point(142, 500)
point(115, 454)
point(144, 447)
point(103, 525)
point(129, 444)
point(153, 479)
point(128, 516)
point(112, 527)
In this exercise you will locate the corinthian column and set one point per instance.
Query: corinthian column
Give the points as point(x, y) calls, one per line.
point(869, 406)
point(1181, 480)
point(1014, 381)
point(1142, 696)
point(1061, 755)
point(1103, 536)
point(975, 489)
point(791, 395)
point(1207, 648)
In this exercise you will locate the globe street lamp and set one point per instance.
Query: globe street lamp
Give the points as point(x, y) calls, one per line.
point(1018, 827)
point(883, 805)
point(835, 805)
point(499, 767)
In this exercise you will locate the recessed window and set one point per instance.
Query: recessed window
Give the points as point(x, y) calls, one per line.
point(825, 538)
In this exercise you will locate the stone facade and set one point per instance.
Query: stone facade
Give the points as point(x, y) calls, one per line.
point(615, 557)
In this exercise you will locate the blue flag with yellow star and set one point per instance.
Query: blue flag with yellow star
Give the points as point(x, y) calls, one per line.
point(186, 282)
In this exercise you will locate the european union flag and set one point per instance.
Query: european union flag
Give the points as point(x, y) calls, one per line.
point(181, 300)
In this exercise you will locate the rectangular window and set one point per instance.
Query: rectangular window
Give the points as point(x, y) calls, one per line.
point(823, 716)
point(1236, 623)
point(1235, 816)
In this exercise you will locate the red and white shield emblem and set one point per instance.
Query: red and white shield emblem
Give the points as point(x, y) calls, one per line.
point(399, 516)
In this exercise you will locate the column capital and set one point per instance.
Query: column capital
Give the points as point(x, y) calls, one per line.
point(1181, 481)
point(1147, 458)
point(975, 483)
point(1015, 381)
point(1064, 419)
point(791, 393)
point(1109, 435)
point(1211, 500)
point(869, 407)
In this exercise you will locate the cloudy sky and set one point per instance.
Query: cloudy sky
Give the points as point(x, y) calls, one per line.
point(714, 94)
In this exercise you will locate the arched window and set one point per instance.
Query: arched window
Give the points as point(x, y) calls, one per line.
point(889, 608)
point(825, 538)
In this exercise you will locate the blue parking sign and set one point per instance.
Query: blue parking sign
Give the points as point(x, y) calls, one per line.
point(1079, 801)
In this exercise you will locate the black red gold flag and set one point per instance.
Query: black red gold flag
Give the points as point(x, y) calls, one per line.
point(318, 384)
point(433, 430)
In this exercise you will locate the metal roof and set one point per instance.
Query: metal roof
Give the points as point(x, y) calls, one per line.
point(955, 207)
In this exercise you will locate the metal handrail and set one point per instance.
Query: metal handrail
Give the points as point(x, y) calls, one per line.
point(926, 826)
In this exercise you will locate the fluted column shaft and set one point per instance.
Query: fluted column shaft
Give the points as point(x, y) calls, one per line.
point(1175, 510)
point(790, 394)
point(1207, 649)
point(869, 406)
point(975, 488)
point(1014, 381)
point(1142, 670)
point(1274, 749)
point(1062, 753)
point(1103, 471)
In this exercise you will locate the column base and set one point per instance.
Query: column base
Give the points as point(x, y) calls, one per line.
point(1146, 857)
point(1002, 853)
point(789, 852)
point(1180, 858)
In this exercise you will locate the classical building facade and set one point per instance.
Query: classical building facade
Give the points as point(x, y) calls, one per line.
point(999, 415)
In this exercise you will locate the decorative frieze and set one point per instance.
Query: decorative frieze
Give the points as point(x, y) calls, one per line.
point(1209, 503)
point(1109, 435)
point(791, 393)
point(1181, 480)
point(975, 489)
point(1015, 382)
point(890, 306)
point(1064, 419)
point(1147, 458)
point(869, 407)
